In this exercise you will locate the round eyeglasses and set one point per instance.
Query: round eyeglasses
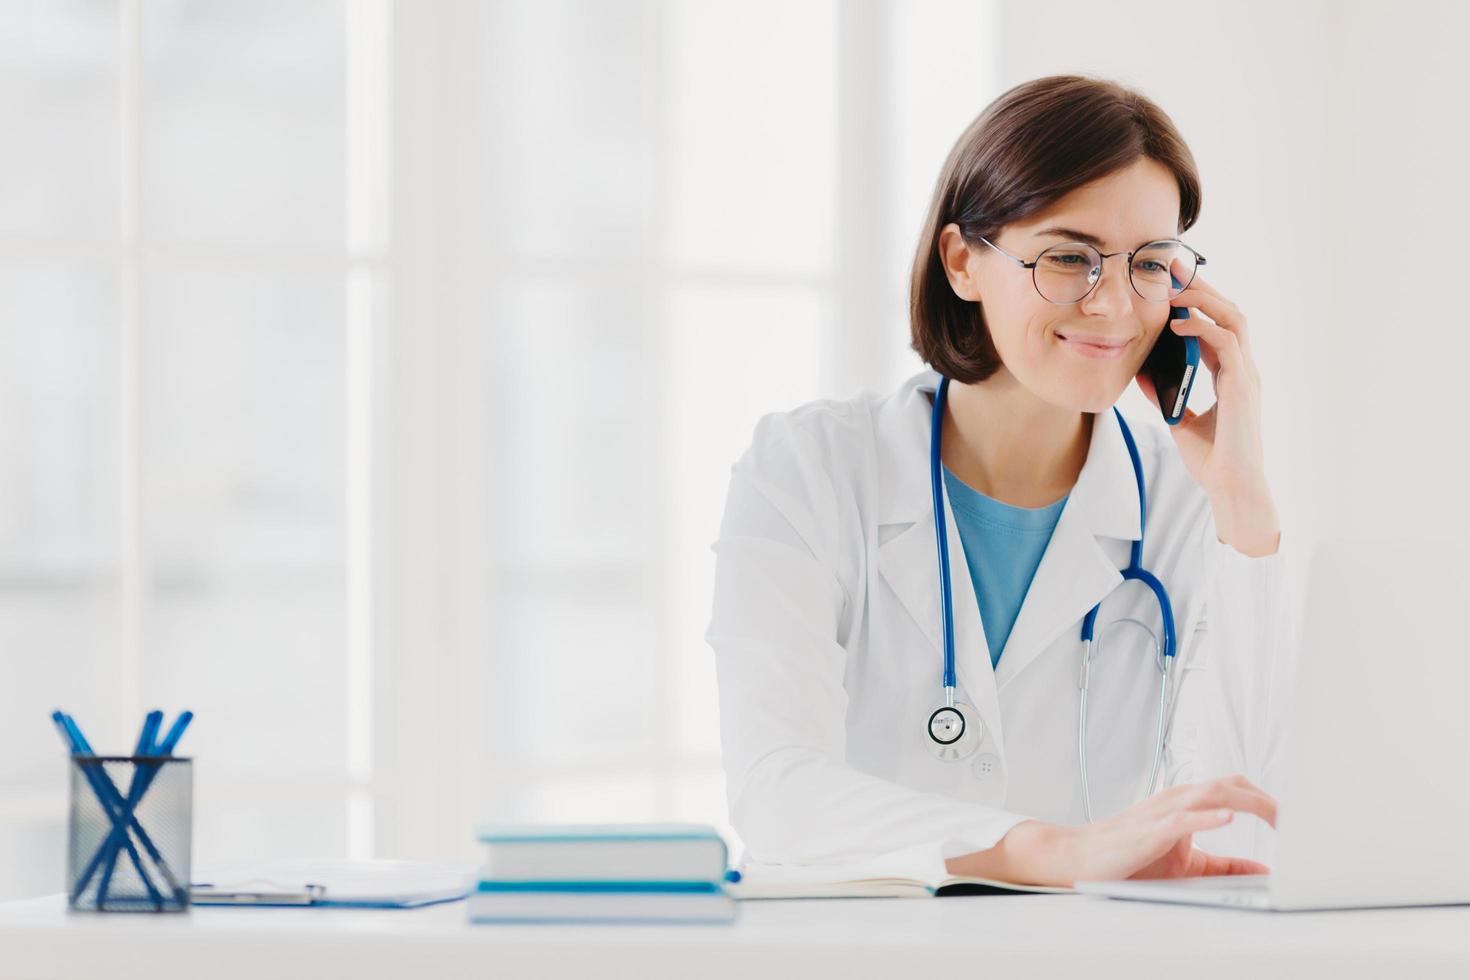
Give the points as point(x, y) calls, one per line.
point(1066, 273)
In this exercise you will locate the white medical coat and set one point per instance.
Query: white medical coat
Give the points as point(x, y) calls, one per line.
point(827, 635)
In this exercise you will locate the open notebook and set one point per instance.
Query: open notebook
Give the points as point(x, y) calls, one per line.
point(830, 881)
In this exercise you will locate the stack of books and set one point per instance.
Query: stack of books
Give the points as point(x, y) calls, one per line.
point(602, 873)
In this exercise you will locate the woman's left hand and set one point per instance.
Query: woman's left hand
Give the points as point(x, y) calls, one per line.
point(1222, 447)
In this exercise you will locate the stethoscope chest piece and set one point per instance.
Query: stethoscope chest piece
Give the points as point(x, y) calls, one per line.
point(955, 732)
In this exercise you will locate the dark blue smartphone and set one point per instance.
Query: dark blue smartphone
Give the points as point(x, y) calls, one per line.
point(1173, 364)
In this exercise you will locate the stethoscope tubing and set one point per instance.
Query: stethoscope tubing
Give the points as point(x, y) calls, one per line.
point(941, 534)
point(1133, 572)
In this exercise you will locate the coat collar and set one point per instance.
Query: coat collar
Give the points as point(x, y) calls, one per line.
point(1076, 572)
point(904, 495)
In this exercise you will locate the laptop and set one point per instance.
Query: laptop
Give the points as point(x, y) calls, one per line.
point(1376, 808)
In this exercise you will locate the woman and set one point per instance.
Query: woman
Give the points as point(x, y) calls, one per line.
point(828, 614)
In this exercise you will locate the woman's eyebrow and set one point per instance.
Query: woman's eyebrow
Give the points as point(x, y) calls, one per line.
point(1073, 234)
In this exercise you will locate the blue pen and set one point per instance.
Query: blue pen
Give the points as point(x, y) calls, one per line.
point(151, 723)
point(78, 744)
point(71, 747)
point(143, 779)
point(164, 748)
point(176, 732)
point(149, 731)
point(115, 809)
point(112, 805)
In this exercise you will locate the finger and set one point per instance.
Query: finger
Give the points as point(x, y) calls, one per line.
point(1235, 792)
point(1204, 292)
point(1216, 864)
point(1192, 420)
point(1181, 823)
point(1198, 284)
point(1211, 359)
point(1222, 345)
point(1200, 295)
point(1244, 782)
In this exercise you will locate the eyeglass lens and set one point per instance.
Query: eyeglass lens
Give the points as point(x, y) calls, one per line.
point(1066, 273)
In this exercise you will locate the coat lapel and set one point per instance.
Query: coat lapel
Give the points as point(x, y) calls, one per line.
point(1076, 571)
point(909, 560)
point(909, 563)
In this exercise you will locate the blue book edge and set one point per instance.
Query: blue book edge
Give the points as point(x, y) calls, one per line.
point(667, 887)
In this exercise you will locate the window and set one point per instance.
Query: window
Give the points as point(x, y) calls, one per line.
point(373, 372)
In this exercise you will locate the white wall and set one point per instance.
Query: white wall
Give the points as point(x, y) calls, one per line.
point(1334, 133)
point(1398, 335)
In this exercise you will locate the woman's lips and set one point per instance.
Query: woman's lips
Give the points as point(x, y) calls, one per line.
point(1094, 345)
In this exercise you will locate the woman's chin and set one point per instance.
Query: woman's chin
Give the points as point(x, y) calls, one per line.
point(1091, 398)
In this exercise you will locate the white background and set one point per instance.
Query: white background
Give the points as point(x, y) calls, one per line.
point(370, 372)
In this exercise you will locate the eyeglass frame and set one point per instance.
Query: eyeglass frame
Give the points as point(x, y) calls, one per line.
point(1199, 260)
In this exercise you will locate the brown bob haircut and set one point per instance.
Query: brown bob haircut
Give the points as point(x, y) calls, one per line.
point(1034, 144)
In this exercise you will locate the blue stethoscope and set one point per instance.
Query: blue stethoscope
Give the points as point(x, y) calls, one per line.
point(955, 731)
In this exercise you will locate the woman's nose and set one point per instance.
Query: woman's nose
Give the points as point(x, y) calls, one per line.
point(1112, 295)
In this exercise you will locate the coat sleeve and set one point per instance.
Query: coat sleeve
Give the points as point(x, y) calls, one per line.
point(779, 610)
point(1234, 702)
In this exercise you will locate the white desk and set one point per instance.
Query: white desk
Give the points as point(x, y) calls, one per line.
point(1065, 935)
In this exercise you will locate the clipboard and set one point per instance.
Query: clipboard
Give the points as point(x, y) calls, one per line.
point(375, 884)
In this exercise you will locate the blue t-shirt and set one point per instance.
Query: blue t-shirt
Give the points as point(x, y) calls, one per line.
point(1003, 547)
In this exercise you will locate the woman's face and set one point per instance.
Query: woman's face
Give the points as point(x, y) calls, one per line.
point(1083, 355)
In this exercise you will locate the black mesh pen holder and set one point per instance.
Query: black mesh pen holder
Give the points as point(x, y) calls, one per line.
point(129, 833)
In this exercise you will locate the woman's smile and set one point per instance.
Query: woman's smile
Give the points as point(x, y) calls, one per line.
point(1094, 345)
